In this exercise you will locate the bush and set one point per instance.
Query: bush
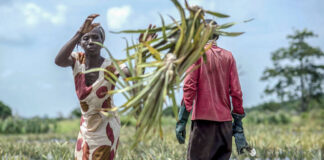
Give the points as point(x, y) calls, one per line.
point(13, 125)
point(76, 113)
point(36, 125)
point(5, 111)
point(127, 121)
point(288, 106)
point(257, 117)
point(168, 112)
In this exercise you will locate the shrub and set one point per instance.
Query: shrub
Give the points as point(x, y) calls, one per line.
point(18, 125)
point(168, 112)
point(11, 125)
point(76, 113)
point(257, 117)
point(128, 121)
point(5, 111)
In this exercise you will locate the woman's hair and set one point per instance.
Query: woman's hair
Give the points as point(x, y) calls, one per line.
point(101, 32)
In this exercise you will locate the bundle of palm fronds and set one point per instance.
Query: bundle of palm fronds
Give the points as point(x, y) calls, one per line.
point(157, 67)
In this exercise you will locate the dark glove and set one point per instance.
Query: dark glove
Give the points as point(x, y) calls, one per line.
point(238, 133)
point(181, 124)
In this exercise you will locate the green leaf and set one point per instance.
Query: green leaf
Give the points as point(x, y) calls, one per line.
point(153, 30)
point(163, 28)
point(219, 15)
point(121, 72)
point(249, 20)
point(191, 33)
point(125, 89)
point(139, 77)
point(174, 102)
point(130, 64)
point(230, 34)
point(228, 25)
point(153, 51)
point(152, 64)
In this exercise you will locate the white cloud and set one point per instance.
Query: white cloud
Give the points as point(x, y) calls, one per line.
point(21, 18)
point(34, 14)
point(117, 16)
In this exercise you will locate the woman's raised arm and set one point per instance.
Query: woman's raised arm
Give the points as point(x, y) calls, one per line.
point(64, 58)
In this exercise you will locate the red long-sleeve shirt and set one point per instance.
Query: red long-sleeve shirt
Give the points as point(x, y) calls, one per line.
point(211, 85)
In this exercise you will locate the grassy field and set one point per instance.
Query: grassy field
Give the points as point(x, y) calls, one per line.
point(300, 138)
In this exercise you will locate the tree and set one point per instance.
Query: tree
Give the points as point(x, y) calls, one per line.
point(168, 111)
point(5, 111)
point(76, 113)
point(298, 71)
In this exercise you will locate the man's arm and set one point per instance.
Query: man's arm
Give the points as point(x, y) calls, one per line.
point(235, 89)
point(189, 94)
point(191, 84)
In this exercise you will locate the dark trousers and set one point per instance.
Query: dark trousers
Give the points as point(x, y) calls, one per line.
point(210, 140)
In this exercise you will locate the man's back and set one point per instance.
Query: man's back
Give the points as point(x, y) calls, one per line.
point(211, 86)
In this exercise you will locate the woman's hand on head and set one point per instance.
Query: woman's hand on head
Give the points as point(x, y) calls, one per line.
point(88, 25)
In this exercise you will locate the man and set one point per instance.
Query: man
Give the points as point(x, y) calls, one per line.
point(207, 90)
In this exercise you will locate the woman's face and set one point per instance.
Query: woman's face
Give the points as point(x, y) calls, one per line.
point(88, 39)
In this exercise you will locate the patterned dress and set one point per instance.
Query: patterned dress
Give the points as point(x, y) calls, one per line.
point(99, 135)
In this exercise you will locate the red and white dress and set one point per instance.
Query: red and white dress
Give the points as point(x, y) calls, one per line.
point(99, 135)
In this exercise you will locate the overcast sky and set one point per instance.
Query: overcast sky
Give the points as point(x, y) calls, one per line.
point(33, 31)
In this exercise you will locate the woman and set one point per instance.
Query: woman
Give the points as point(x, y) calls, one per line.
point(99, 135)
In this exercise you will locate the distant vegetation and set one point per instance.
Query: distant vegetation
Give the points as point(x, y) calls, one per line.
point(10, 124)
point(5, 111)
point(21, 125)
point(76, 113)
point(298, 71)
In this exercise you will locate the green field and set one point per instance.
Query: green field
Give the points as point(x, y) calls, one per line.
point(273, 136)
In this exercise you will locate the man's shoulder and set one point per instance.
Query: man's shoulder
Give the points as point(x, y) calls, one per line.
point(225, 52)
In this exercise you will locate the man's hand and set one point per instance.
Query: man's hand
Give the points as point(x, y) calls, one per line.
point(181, 124)
point(149, 36)
point(181, 132)
point(238, 133)
point(240, 142)
point(88, 25)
